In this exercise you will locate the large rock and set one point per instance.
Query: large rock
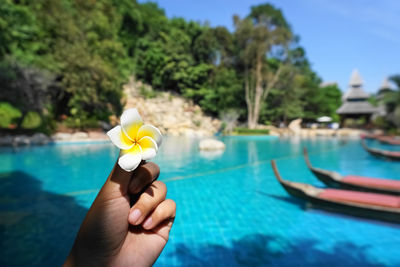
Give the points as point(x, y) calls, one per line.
point(40, 139)
point(97, 136)
point(70, 137)
point(211, 144)
point(79, 136)
point(6, 140)
point(189, 133)
point(62, 136)
point(21, 140)
point(295, 126)
point(349, 132)
point(324, 132)
point(273, 130)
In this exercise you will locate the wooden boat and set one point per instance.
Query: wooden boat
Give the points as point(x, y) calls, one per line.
point(354, 182)
point(370, 136)
point(361, 204)
point(393, 155)
point(389, 140)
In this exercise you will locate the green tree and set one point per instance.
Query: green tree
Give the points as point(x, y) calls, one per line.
point(74, 56)
point(79, 43)
point(26, 88)
point(263, 32)
point(391, 99)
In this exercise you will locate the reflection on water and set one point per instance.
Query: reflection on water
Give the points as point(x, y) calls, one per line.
point(37, 228)
point(268, 250)
point(211, 154)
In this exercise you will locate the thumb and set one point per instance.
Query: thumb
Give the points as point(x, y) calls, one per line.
point(116, 184)
point(121, 183)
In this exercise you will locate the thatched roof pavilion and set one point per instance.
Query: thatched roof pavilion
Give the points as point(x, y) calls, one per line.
point(355, 104)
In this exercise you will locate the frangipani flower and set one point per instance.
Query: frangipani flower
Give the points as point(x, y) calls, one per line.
point(137, 141)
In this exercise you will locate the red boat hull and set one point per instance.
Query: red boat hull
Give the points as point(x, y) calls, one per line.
point(378, 200)
point(372, 182)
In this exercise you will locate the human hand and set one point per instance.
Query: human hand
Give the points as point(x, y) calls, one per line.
point(128, 224)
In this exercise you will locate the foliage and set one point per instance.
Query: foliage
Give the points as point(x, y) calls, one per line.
point(74, 44)
point(373, 100)
point(264, 32)
point(147, 92)
point(229, 120)
point(26, 88)
point(23, 86)
point(71, 57)
point(326, 101)
point(81, 123)
point(222, 92)
point(382, 123)
point(32, 120)
point(391, 101)
point(248, 131)
point(8, 114)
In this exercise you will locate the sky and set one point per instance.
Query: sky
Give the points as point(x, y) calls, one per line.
point(338, 35)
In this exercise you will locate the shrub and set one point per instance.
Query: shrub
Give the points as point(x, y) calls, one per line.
point(81, 123)
point(229, 119)
point(31, 121)
point(197, 123)
point(380, 122)
point(147, 92)
point(8, 114)
point(247, 131)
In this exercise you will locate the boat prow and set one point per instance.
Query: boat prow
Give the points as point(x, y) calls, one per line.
point(361, 204)
point(330, 178)
point(389, 140)
point(354, 182)
point(393, 155)
point(293, 188)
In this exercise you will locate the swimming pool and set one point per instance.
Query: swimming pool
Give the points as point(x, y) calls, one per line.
point(231, 210)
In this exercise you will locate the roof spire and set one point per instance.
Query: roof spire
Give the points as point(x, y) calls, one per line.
point(355, 99)
point(385, 84)
point(355, 79)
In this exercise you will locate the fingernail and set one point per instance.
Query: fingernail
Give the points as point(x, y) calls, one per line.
point(134, 216)
point(147, 223)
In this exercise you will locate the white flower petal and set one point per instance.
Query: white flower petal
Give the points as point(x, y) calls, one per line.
point(129, 161)
point(150, 131)
point(118, 138)
point(149, 147)
point(148, 153)
point(131, 158)
point(131, 122)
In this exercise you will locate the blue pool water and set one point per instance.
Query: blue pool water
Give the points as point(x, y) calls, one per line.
point(231, 210)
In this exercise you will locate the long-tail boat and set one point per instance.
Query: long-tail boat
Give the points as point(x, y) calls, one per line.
point(354, 182)
point(391, 140)
point(394, 141)
point(370, 136)
point(393, 155)
point(361, 204)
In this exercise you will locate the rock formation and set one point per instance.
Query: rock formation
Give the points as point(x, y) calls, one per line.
point(172, 114)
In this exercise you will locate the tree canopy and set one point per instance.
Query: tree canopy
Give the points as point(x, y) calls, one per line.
point(71, 58)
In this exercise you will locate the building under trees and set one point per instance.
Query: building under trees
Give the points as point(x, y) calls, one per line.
point(355, 102)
